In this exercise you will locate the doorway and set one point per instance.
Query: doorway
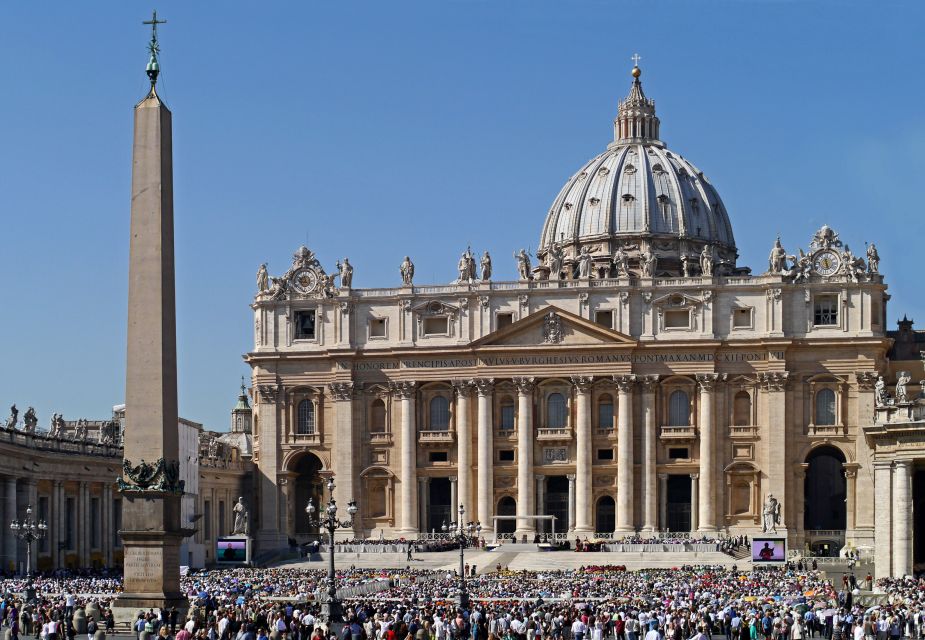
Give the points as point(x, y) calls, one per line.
point(824, 491)
point(556, 504)
point(438, 506)
point(308, 484)
point(678, 503)
point(605, 515)
point(506, 507)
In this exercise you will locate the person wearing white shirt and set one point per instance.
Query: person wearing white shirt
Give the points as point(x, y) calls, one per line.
point(578, 629)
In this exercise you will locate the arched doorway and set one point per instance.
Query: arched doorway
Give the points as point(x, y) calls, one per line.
point(824, 491)
point(506, 507)
point(308, 484)
point(605, 515)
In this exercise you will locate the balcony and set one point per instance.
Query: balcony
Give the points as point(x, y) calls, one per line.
point(306, 438)
point(606, 432)
point(749, 432)
point(685, 433)
point(825, 430)
point(380, 437)
point(436, 438)
point(548, 434)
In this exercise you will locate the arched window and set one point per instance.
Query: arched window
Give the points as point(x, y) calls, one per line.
point(507, 414)
point(605, 412)
point(306, 422)
point(825, 407)
point(439, 413)
point(555, 411)
point(679, 409)
point(377, 416)
point(742, 409)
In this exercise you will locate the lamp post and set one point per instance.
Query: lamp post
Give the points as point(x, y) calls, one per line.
point(327, 520)
point(462, 535)
point(28, 530)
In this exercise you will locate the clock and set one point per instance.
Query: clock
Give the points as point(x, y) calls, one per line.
point(304, 281)
point(826, 263)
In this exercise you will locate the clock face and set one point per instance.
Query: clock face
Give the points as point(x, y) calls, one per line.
point(304, 281)
point(827, 263)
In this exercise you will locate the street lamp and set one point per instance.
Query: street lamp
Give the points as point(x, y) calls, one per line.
point(328, 521)
point(462, 535)
point(28, 530)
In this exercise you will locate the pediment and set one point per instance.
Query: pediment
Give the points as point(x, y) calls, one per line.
point(553, 327)
point(677, 299)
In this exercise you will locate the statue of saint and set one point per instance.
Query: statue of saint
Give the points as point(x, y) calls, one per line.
point(770, 515)
point(346, 273)
point(621, 262)
point(466, 267)
point(554, 258)
point(29, 420)
point(13, 419)
point(486, 267)
point(881, 397)
point(240, 518)
point(523, 265)
point(263, 279)
point(777, 261)
point(649, 263)
point(584, 263)
point(873, 259)
point(901, 381)
point(407, 272)
point(706, 261)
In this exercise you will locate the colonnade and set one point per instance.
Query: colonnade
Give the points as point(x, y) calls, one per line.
point(893, 524)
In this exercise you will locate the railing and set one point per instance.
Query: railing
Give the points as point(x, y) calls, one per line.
point(747, 431)
point(436, 437)
point(679, 433)
point(829, 534)
point(307, 438)
point(380, 437)
point(606, 432)
point(546, 433)
point(824, 430)
point(43, 442)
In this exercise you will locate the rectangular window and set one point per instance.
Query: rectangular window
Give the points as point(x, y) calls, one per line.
point(825, 311)
point(741, 318)
point(439, 456)
point(436, 326)
point(605, 454)
point(116, 523)
point(305, 325)
point(94, 523)
point(69, 510)
point(207, 517)
point(678, 453)
point(604, 318)
point(506, 455)
point(505, 320)
point(221, 517)
point(43, 516)
point(677, 319)
point(507, 417)
point(377, 327)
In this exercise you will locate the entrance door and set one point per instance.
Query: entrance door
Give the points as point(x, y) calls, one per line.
point(678, 498)
point(606, 515)
point(438, 508)
point(506, 507)
point(556, 504)
point(308, 484)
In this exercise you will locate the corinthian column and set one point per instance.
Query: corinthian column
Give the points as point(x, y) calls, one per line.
point(486, 487)
point(406, 393)
point(583, 478)
point(902, 518)
point(625, 450)
point(649, 491)
point(525, 488)
point(464, 448)
point(707, 507)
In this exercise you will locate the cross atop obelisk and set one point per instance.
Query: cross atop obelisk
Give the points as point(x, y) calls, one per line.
point(154, 68)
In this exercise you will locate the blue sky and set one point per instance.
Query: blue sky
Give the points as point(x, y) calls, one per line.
point(379, 129)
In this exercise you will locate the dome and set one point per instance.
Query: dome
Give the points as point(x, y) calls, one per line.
point(640, 196)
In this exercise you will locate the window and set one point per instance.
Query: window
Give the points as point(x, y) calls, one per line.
point(825, 407)
point(742, 409)
point(116, 523)
point(94, 523)
point(305, 325)
point(677, 319)
point(605, 412)
point(207, 517)
point(377, 327)
point(678, 453)
point(306, 418)
point(555, 411)
point(605, 454)
point(506, 455)
point(507, 414)
point(377, 416)
point(505, 320)
point(604, 318)
point(679, 409)
point(439, 456)
point(741, 318)
point(436, 326)
point(439, 413)
point(825, 311)
point(69, 537)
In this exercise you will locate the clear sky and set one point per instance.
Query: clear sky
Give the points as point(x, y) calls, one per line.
point(378, 129)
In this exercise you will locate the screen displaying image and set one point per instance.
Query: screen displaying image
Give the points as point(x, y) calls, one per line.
point(231, 551)
point(769, 550)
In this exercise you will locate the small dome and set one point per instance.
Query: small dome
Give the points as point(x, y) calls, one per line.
point(638, 194)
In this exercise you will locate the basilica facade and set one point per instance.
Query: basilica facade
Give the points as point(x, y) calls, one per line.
point(634, 378)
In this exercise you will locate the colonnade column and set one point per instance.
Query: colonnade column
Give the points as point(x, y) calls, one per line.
point(571, 502)
point(540, 499)
point(663, 501)
point(851, 484)
point(883, 505)
point(525, 495)
point(106, 530)
point(84, 515)
point(583, 477)
point(649, 436)
point(625, 490)
point(409, 519)
point(486, 489)
point(464, 451)
point(902, 518)
point(344, 456)
point(423, 490)
point(695, 500)
point(57, 512)
point(9, 513)
point(706, 508)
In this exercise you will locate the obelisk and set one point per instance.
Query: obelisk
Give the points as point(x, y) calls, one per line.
point(151, 528)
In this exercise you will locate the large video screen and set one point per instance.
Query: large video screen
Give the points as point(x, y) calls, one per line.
point(769, 550)
point(231, 550)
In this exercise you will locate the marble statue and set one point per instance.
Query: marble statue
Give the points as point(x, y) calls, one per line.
point(263, 279)
point(554, 258)
point(901, 381)
point(466, 267)
point(873, 259)
point(80, 433)
point(13, 419)
point(825, 238)
point(240, 518)
point(407, 272)
point(29, 420)
point(621, 262)
point(346, 273)
point(706, 261)
point(881, 397)
point(485, 263)
point(523, 265)
point(584, 263)
point(777, 261)
point(649, 263)
point(770, 515)
point(686, 265)
point(852, 265)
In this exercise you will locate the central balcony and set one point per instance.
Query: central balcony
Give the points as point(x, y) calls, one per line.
point(550, 434)
point(437, 438)
point(686, 433)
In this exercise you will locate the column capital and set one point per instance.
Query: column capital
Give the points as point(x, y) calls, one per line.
point(525, 386)
point(453, 479)
point(570, 477)
point(341, 391)
point(707, 381)
point(484, 386)
point(404, 389)
point(625, 383)
point(423, 479)
point(649, 383)
point(583, 383)
point(902, 464)
point(695, 476)
point(463, 388)
point(539, 476)
point(268, 393)
point(866, 379)
point(773, 380)
point(663, 476)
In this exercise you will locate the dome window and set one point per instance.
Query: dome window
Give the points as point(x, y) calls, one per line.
point(567, 205)
point(582, 175)
point(658, 169)
point(629, 169)
point(695, 206)
point(603, 171)
point(628, 198)
point(594, 201)
point(663, 199)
